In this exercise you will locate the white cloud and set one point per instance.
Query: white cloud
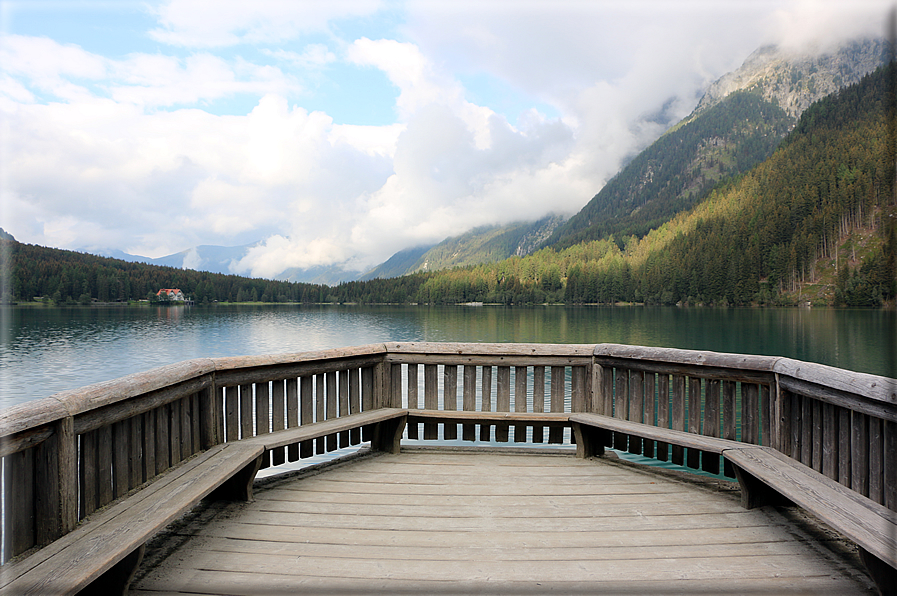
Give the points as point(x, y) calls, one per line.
point(99, 164)
point(216, 23)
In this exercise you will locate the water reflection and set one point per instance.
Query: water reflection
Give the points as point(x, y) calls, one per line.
point(46, 350)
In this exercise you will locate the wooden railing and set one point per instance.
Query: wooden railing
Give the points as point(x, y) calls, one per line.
point(67, 455)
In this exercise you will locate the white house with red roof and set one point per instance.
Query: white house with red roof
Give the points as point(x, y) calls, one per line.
point(171, 294)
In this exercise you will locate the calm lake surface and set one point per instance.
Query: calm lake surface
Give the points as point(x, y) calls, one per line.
point(45, 350)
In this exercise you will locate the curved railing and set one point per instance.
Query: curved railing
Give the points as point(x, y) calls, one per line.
point(67, 455)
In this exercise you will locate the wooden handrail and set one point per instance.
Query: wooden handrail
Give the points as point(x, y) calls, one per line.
point(159, 417)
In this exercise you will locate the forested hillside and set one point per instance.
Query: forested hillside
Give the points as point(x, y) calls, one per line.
point(679, 169)
point(758, 239)
point(72, 277)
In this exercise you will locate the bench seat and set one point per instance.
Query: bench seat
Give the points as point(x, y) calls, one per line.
point(101, 554)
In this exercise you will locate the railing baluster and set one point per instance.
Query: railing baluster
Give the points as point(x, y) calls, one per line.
point(120, 444)
point(231, 412)
point(18, 532)
point(174, 434)
point(636, 406)
point(556, 433)
point(520, 399)
point(87, 469)
point(344, 404)
point(859, 457)
point(710, 461)
point(278, 417)
point(648, 445)
point(367, 398)
point(354, 403)
point(677, 415)
point(469, 400)
point(413, 399)
point(300, 404)
point(502, 401)
point(694, 419)
point(332, 404)
point(486, 393)
point(431, 400)
point(876, 457)
point(538, 401)
point(621, 405)
point(450, 398)
point(263, 415)
point(663, 413)
point(294, 402)
point(320, 409)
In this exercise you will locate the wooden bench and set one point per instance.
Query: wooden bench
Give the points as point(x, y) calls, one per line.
point(767, 477)
point(102, 554)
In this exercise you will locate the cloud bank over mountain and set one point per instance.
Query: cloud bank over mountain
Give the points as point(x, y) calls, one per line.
point(342, 132)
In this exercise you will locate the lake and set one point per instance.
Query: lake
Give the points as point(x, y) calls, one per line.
point(45, 350)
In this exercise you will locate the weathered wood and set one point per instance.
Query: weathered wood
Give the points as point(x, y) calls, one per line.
point(746, 375)
point(18, 478)
point(297, 406)
point(431, 399)
point(104, 466)
point(876, 460)
point(367, 397)
point(117, 579)
point(694, 419)
point(520, 401)
point(286, 370)
point(507, 351)
point(832, 381)
point(469, 400)
point(246, 422)
point(859, 453)
point(844, 450)
point(332, 403)
point(555, 434)
point(507, 359)
point(750, 413)
point(636, 406)
point(890, 465)
point(188, 415)
point(599, 398)
point(46, 491)
point(121, 432)
point(25, 439)
point(320, 410)
point(767, 414)
point(87, 473)
point(710, 461)
point(413, 400)
point(783, 420)
point(677, 415)
point(394, 392)
point(278, 417)
point(858, 402)
point(830, 443)
point(162, 455)
point(502, 400)
point(209, 409)
point(607, 384)
point(149, 445)
point(663, 412)
point(135, 452)
point(80, 557)
point(817, 438)
point(870, 525)
point(306, 405)
point(175, 413)
point(344, 403)
point(309, 432)
point(806, 431)
point(355, 402)
point(231, 413)
point(621, 405)
point(485, 400)
point(538, 400)
point(650, 412)
point(589, 440)
point(450, 398)
point(796, 424)
point(557, 420)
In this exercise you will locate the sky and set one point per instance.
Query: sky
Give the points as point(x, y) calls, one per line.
point(340, 132)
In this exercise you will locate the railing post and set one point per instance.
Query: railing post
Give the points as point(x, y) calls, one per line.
point(210, 416)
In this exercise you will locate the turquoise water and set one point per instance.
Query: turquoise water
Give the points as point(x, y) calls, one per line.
point(45, 350)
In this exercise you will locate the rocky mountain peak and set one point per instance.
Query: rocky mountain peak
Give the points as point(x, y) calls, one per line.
point(794, 80)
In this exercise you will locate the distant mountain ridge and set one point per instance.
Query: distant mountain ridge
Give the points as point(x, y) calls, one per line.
point(737, 124)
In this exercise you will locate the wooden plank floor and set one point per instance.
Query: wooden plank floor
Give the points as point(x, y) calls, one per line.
point(429, 521)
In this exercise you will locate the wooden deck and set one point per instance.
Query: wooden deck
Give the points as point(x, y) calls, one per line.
point(447, 521)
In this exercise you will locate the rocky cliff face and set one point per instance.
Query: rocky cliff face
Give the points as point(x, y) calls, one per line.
point(794, 81)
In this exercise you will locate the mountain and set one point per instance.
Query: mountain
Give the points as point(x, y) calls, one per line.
point(398, 264)
point(737, 124)
point(487, 244)
point(329, 275)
